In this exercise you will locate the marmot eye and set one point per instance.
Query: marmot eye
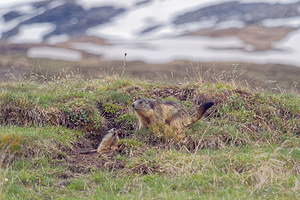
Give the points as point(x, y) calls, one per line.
point(140, 102)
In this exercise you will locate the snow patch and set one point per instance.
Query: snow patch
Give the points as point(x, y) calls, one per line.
point(55, 4)
point(286, 22)
point(162, 50)
point(54, 53)
point(13, 3)
point(288, 44)
point(162, 12)
point(195, 26)
point(33, 33)
point(269, 1)
point(230, 24)
point(88, 47)
point(88, 4)
point(25, 9)
point(197, 48)
point(249, 47)
point(58, 38)
point(27, 14)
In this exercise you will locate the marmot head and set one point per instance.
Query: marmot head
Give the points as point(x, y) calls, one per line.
point(143, 104)
point(113, 132)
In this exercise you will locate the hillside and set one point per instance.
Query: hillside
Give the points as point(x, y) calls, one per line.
point(246, 146)
point(260, 32)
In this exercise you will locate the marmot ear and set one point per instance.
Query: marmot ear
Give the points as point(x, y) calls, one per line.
point(151, 104)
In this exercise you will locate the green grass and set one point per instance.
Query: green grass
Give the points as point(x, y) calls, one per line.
point(243, 173)
point(246, 147)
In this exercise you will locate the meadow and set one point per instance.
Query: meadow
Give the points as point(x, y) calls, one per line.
point(246, 146)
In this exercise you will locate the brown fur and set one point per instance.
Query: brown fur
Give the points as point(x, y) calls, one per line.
point(151, 112)
point(107, 144)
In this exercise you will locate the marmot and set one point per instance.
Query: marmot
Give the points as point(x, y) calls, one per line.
point(108, 142)
point(151, 112)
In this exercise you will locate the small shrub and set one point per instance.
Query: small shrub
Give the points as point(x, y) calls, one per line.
point(127, 121)
point(119, 97)
point(111, 108)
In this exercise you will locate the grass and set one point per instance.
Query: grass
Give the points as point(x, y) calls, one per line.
point(243, 173)
point(246, 146)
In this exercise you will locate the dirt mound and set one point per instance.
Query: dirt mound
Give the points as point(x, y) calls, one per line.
point(83, 163)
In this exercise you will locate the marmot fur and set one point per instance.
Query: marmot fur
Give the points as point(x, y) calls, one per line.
point(151, 112)
point(108, 142)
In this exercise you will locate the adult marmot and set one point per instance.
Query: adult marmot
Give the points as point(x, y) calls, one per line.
point(151, 112)
point(108, 142)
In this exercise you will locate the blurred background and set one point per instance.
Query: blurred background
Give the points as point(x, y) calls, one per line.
point(162, 39)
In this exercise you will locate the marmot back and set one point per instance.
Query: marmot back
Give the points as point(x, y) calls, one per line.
point(151, 111)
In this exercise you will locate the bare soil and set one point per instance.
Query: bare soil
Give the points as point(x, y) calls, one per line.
point(262, 38)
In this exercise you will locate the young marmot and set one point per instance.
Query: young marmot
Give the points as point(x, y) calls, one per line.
point(151, 112)
point(108, 142)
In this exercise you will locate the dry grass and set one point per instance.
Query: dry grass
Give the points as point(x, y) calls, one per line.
point(268, 76)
